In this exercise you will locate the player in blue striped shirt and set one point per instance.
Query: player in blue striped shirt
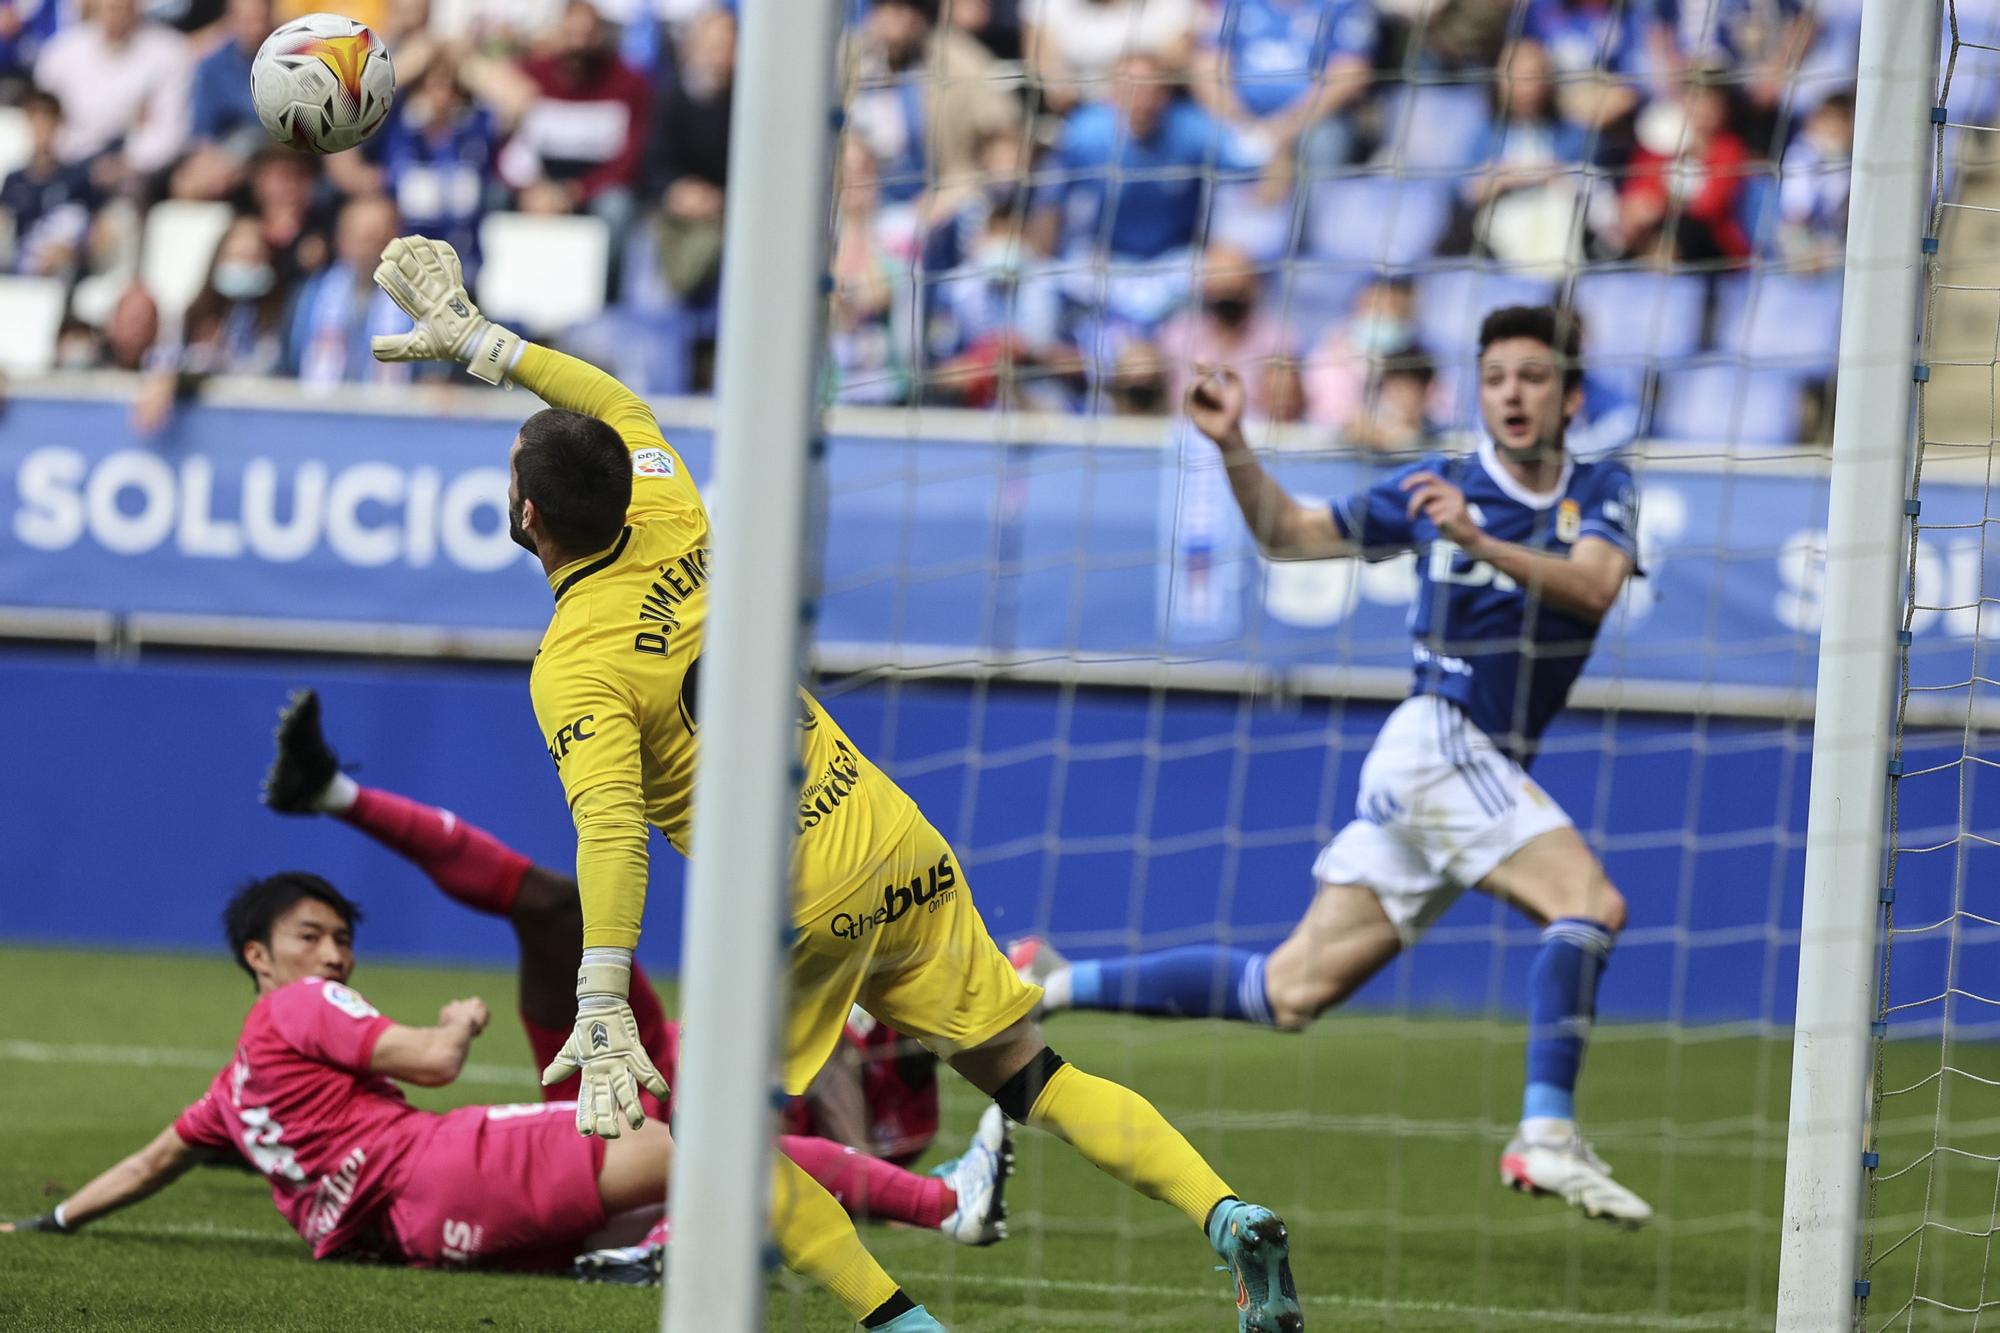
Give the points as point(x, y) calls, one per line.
point(1521, 553)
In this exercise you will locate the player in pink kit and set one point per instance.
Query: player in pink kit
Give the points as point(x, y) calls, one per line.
point(310, 1101)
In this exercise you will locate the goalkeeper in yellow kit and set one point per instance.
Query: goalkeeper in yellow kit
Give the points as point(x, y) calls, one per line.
point(883, 914)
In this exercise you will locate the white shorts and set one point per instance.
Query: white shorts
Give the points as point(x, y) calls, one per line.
point(1440, 806)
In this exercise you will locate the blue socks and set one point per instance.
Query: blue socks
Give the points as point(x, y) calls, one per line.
point(1199, 981)
point(1562, 1000)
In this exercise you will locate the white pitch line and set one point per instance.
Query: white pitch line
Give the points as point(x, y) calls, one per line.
point(166, 1057)
point(1537, 1318)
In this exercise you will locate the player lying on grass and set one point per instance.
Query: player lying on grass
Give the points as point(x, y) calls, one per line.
point(310, 1102)
point(873, 1111)
point(1521, 553)
point(882, 914)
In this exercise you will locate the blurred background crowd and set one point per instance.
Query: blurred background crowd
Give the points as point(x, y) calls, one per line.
point(1057, 205)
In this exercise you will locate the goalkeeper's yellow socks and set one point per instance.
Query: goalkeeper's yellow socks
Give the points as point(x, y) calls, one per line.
point(816, 1239)
point(1117, 1131)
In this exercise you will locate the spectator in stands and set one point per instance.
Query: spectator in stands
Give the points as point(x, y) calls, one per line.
point(281, 196)
point(1289, 71)
point(688, 156)
point(436, 156)
point(1072, 46)
point(1685, 179)
point(1232, 326)
point(234, 326)
point(1137, 385)
point(1607, 55)
point(130, 331)
point(1521, 205)
point(1394, 416)
point(340, 309)
point(24, 26)
point(1766, 42)
point(577, 147)
point(922, 96)
point(994, 317)
point(1131, 176)
point(47, 202)
point(124, 89)
point(1812, 190)
point(223, 120)
point(1380, 324)
point(867, 324)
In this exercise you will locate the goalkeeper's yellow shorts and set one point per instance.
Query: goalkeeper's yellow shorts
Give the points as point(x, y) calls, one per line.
point(908, 946)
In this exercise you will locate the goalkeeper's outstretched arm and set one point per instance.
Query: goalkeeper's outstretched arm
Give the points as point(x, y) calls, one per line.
point(146, 1172)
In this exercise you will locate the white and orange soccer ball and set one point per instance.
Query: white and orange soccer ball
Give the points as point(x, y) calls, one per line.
point(322, 83)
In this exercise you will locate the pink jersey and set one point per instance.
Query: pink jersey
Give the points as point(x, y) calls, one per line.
point(299, 1105)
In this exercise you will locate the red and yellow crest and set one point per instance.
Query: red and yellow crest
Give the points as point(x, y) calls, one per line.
point(1569, 522)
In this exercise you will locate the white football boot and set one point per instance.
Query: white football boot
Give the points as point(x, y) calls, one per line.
point(979, 1177)
point(1569, 1169)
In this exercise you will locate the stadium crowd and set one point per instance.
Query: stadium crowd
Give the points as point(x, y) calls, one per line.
point(1051, 204)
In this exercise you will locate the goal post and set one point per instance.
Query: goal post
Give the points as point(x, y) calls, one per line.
point(766, 436)
point(1867, 536)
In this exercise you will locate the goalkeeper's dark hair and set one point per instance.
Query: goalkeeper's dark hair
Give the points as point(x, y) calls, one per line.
point(258, 905)
point(1554, 328)
point(578, 472)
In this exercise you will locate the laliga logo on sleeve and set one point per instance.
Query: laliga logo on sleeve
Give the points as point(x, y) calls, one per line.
point(1569, 522)
point(652, 463)
point(348, 1002)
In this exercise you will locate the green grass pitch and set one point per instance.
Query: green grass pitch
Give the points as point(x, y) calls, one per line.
point(1376, 1138)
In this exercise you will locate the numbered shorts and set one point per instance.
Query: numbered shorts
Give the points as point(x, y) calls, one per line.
point(1440, 806)
point(908, 946)
point(500, 1187)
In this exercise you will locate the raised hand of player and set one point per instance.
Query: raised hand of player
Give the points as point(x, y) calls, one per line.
point(470, 1013)
point(1215, 404)
point(425, 280)
point(1435, 499)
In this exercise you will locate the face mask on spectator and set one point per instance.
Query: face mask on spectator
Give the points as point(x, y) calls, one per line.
point(1380, 334)
point(1231, 309)
point(1000, 256)
point(1144, 396)
point(243, 282)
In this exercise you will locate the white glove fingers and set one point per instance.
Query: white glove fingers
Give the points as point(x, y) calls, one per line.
point(604, 1109)
point(626, 1091)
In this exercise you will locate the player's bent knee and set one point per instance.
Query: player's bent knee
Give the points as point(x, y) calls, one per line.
point(1604, 905)
point(547, 898)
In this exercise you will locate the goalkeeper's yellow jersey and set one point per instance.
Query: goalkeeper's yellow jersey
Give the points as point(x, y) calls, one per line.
point(617, 677)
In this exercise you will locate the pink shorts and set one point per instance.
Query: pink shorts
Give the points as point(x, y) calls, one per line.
point(501, 1187)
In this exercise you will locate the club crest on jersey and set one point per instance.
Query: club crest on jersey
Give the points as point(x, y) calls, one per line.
point(347, 1001)
point(1569, 521)
point(652, 463)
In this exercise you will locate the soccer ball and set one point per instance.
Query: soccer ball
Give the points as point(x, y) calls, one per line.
point(322, 83)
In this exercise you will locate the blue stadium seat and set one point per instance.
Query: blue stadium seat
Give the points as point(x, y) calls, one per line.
point(1638, 319)
point(1452, 301)
point(1792, 319)
point(1728, 403)
point(1314, 296)
point(1377, 219)
point(1434, 129)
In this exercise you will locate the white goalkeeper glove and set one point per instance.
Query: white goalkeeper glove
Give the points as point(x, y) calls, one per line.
point(605, 1048)
point(423, 277)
